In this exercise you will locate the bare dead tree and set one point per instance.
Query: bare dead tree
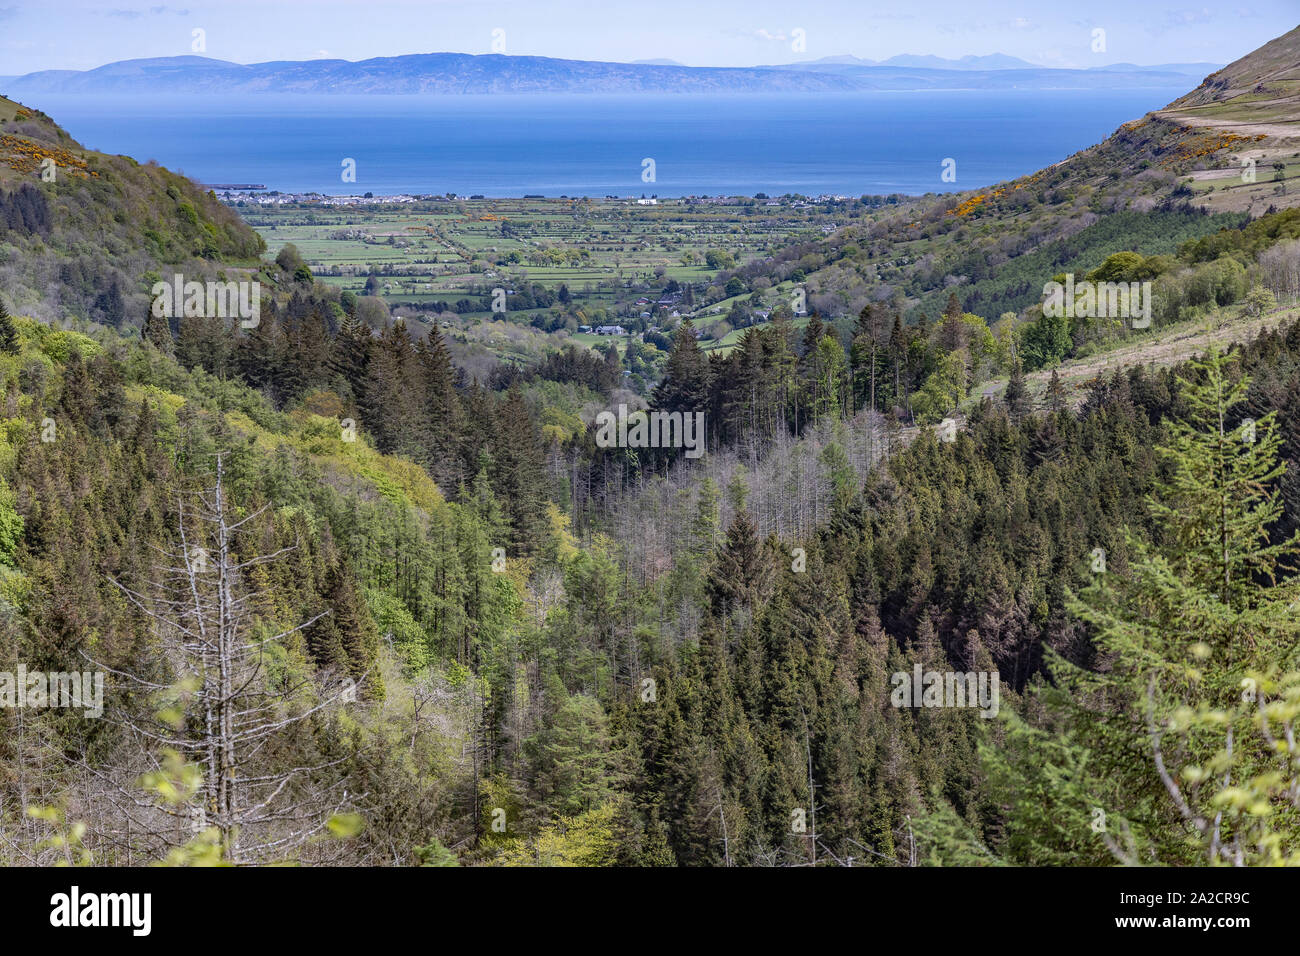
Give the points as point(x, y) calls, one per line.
point(264, 801)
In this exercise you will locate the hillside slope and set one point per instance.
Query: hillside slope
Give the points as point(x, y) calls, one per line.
point(1265, 83)
point(1141, 190)
point(83, 234)
point(1253, 107)
point(1221, 140)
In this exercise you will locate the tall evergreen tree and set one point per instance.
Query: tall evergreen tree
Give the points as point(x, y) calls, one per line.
point(519, 479)
point(685, 384)
point(1055, 392)
point(1203, 643)
point(157, 331)
point(1016, 397)
point(441, 414)
point(392, 395)
point(613, 367)
point(8, 334)
point(350, 354)
point(742, 573)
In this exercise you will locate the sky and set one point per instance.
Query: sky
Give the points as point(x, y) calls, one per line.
point(81, 34)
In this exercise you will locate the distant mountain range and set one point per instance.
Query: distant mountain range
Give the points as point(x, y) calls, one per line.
point(994, 61)
point(442, 73)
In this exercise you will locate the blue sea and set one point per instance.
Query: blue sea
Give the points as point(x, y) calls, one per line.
point(513, 145)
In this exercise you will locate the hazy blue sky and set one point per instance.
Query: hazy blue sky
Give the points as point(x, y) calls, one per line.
point(78, 34)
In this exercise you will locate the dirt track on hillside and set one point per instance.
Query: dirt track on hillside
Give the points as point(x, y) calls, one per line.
point(1168, 349)
point(1247, 128)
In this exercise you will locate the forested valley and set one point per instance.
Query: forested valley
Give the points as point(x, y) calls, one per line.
point(623, 660)
point(356, 600)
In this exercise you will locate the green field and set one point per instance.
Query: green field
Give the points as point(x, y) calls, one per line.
point(613, 257)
